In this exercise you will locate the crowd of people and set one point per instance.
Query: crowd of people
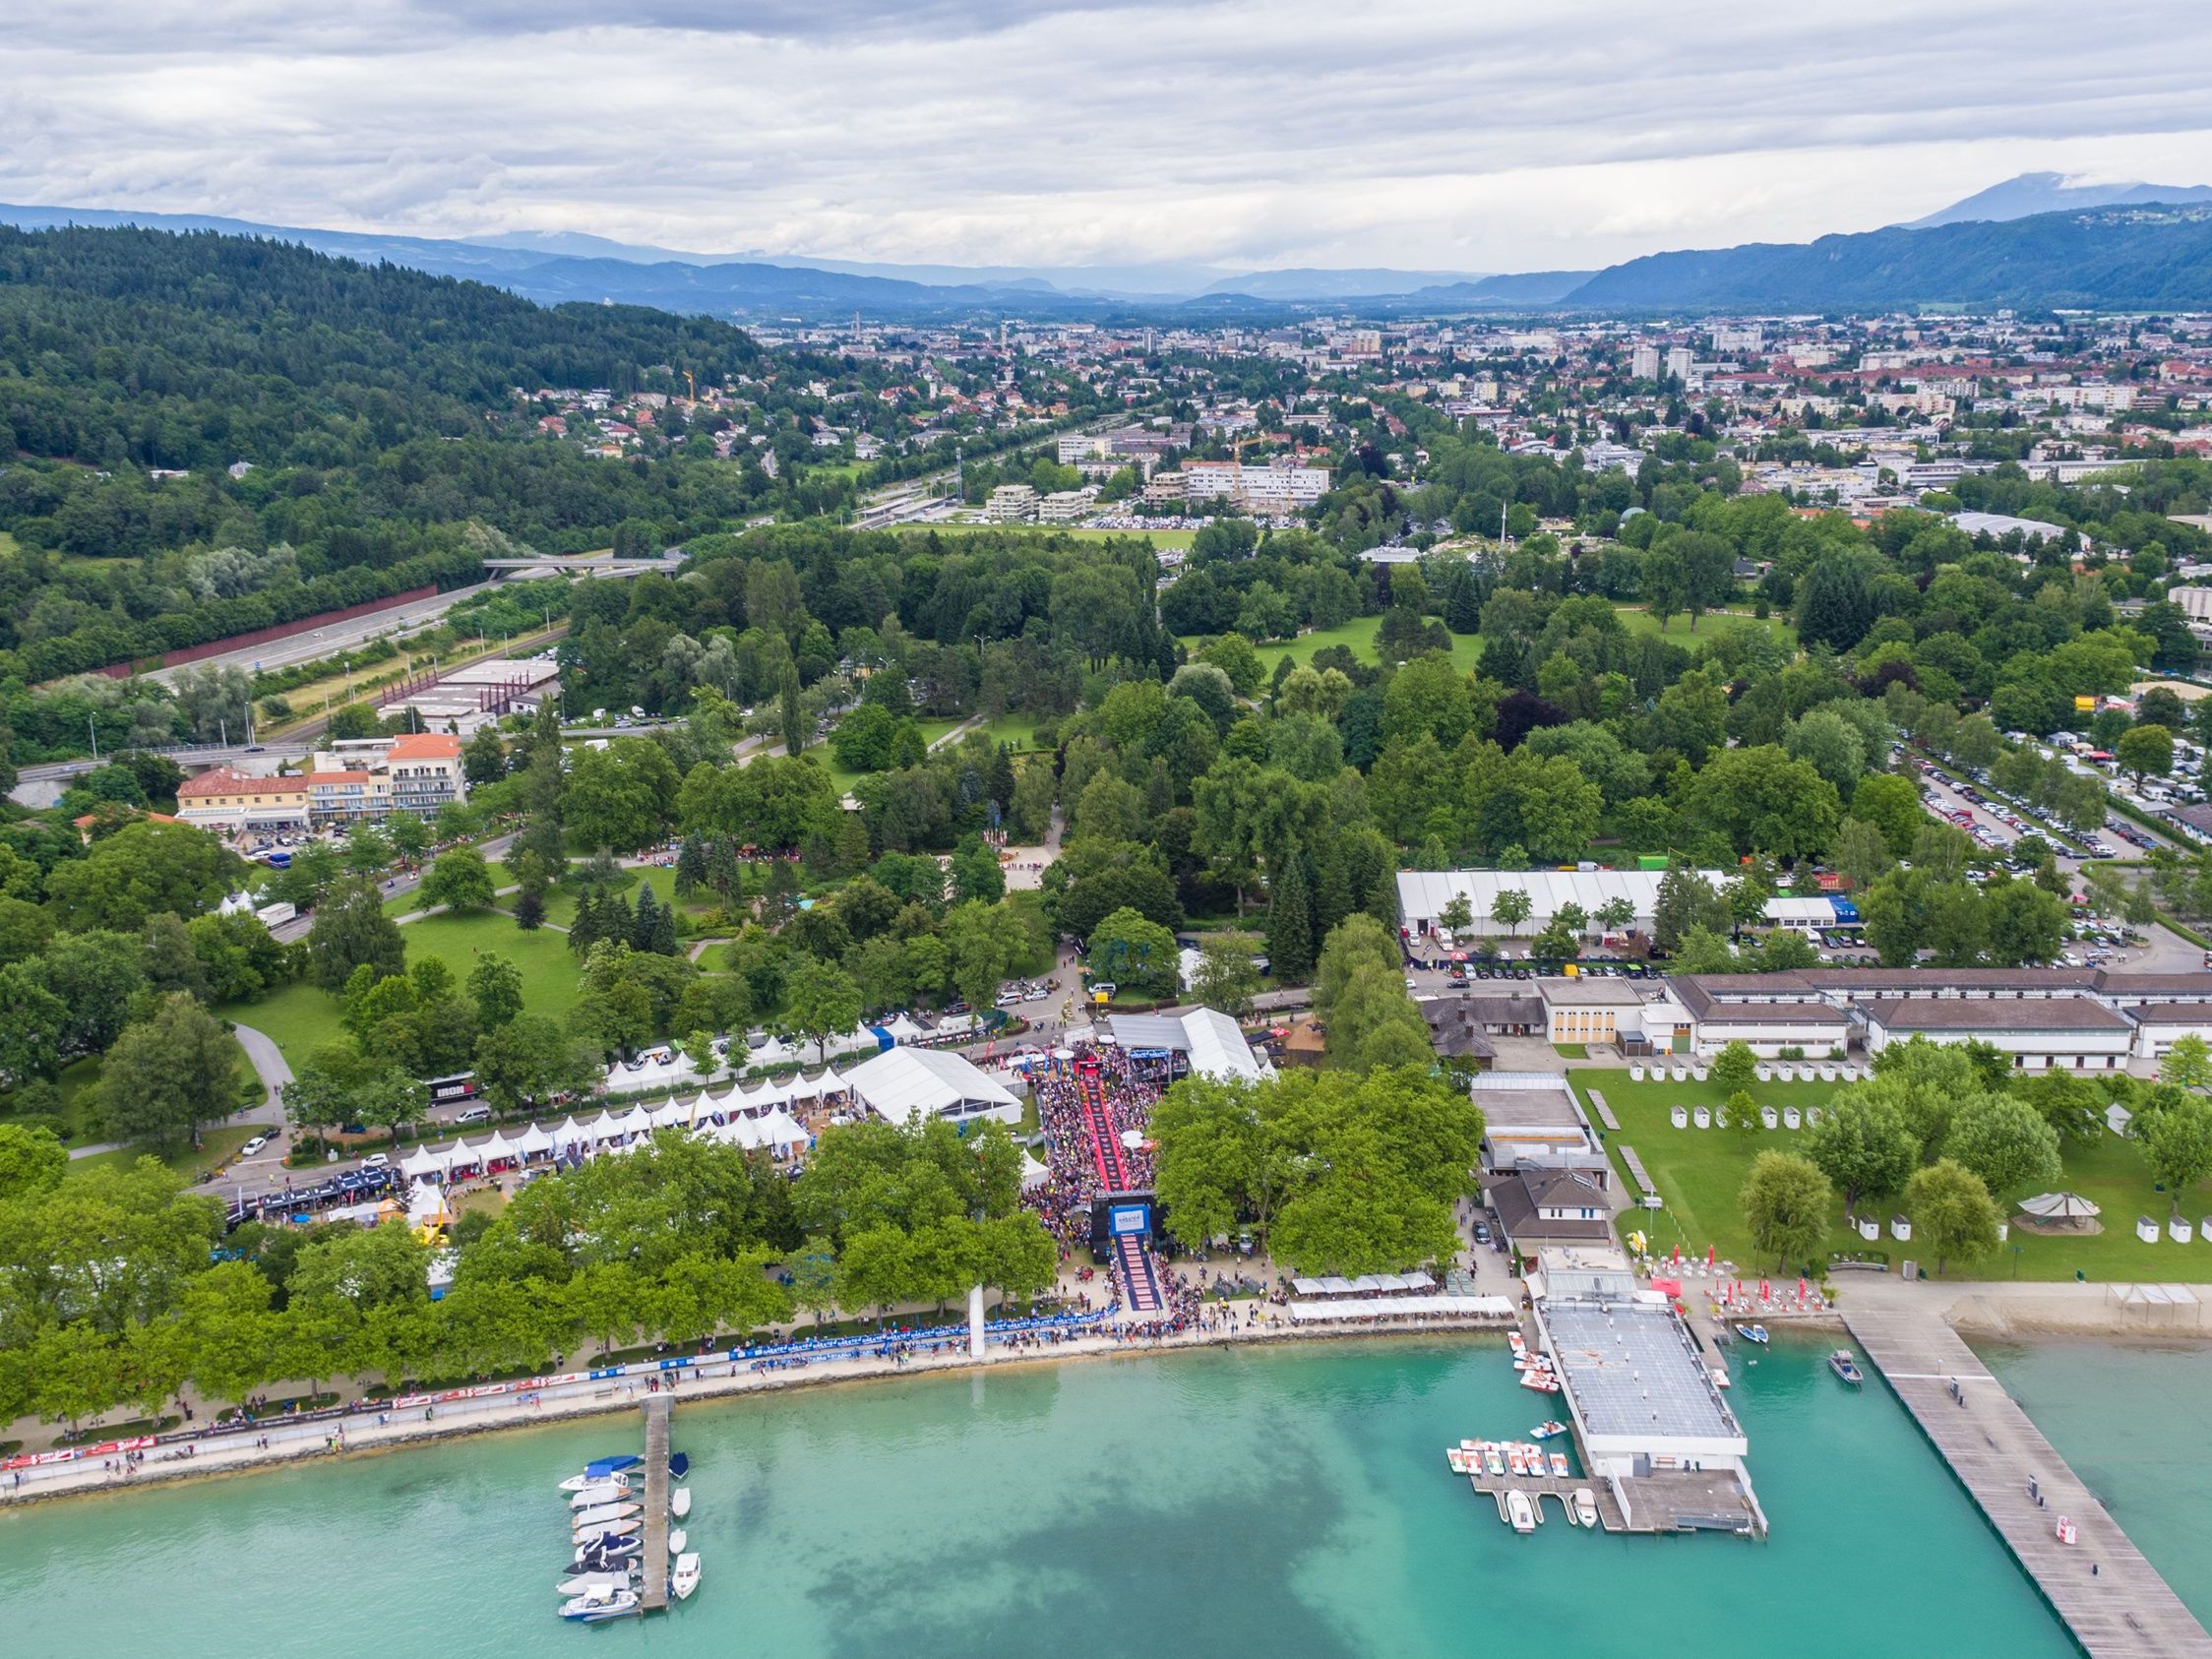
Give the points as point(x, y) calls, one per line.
point(1129, 1088)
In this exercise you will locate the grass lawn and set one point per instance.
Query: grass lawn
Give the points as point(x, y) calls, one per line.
point(1641, 621)
point(1355, 636)
point(300, 1017)
point(1700, 1174)
point(216, 1145)
point(1573, 1051)
point(1020, 730)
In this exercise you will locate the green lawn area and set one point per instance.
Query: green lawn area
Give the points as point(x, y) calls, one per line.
point(1020, 730)
point(1355, 636)
point(215, 1144)
point(1641, 621)
point(300, 1017)
point(1700, 1174)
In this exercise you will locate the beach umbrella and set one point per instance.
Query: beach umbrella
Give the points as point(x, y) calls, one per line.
point(1709, 1254)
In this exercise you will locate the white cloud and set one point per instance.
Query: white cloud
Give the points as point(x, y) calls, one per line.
point(989, 131)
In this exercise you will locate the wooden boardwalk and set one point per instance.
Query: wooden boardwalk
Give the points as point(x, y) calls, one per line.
point(654, 1598)
point(2123, 1608)
point(1604, 1111)
point(1636, 1166)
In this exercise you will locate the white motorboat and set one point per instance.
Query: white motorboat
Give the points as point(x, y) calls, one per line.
point(683, 1579)
point(1586, 1508)
point(596, 1583)
point(603, 1492)
point(599, 1530)
point(584, 1520)
point(677, 1542)
point(600, 1469)
point(1520, 1511)
point(679, 1501)
point(591, 1609)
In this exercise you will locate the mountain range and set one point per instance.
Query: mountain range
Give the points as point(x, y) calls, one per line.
point(2030, 194)
point(2036, 241)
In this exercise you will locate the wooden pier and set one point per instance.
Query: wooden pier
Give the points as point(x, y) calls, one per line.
point(2110, 1597)
point(653, 1594)
point(1541, 1487)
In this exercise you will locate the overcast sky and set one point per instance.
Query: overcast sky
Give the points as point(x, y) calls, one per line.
point(1457, 136)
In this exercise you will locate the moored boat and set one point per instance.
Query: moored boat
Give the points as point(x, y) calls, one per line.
point(1753, 1334)
point(588, 1521)
point(1558, 1464)
point(599, 1531)
point(588, 1583)
point(593, 1609)
point(1844, 1366)
point(1586, 1508)
point(1495, 1459)
point(678, 1542)
point(603, 1492)
point(608, 1550)
point(1520, 1511)
point(599, 1469)
point(679, 1501)
point(683, 1579)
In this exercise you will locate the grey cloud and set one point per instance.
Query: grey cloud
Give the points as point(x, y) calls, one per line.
point(978, 131)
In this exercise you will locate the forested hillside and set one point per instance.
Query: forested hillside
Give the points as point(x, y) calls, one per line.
point(373, 411)
point(2118, 257)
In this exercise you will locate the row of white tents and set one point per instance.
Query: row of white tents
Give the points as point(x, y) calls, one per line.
point(759, 1119)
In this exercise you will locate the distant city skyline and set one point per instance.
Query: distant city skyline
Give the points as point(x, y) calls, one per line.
point(979, 132)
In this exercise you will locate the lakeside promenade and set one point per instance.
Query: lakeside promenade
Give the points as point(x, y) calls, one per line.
point(279, 1441)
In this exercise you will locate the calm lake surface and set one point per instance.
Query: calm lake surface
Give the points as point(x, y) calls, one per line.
point(2135, 1423)
point(1291, 1501)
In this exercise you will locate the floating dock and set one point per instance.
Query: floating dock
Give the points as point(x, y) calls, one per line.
point(2123, 1609)
point(653, 1595)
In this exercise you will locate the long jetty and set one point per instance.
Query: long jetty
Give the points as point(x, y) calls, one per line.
point(2113, 1600)
point(654, 1598)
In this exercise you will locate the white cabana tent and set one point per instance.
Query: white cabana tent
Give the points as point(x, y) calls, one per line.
point(781, 1131)
point(535, 1142)
point(422, 1164)
point(903, 1083)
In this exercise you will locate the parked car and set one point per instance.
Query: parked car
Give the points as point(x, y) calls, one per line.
point(376, 1160)
point(254, 1145)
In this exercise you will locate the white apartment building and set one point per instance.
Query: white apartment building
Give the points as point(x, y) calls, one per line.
point(1259, 489)
point(1011, 504)
point(1643, 362)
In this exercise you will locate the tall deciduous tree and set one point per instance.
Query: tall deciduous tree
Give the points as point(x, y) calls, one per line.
point(1786, 1201)
point(1952, 1210)
point(1863, 1143)
point(351, 930)
point(170, 1073)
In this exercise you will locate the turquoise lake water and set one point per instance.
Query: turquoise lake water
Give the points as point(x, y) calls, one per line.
point(1282, 1502)
point(2135, 1424)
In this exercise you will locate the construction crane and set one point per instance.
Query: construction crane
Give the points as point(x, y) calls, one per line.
point(691, 385)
